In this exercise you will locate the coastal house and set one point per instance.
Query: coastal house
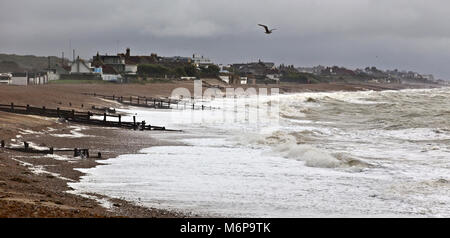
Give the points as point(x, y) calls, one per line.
point(79, 66)
point(257, 70)
point(115, 61)
point(55, 72)
point(109, 73)
point(201, 61)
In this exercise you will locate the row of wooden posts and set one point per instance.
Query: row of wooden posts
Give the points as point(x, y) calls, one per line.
point(79, 117)
point(77, 152)
point(150, 102)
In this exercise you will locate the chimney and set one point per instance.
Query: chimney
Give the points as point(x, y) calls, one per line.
point(128, 52)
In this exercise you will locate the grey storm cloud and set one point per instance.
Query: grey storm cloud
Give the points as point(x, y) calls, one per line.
point(403, 34)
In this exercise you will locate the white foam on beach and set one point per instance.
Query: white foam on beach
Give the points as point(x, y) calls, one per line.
point(340, 154)
point(75, 132)
point(40, 169)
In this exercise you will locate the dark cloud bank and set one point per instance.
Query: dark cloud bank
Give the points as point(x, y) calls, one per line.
point(410, 35)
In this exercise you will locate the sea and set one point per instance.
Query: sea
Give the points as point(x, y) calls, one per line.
point(315, 154)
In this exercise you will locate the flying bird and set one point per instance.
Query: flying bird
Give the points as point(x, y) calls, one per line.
point(267, 29)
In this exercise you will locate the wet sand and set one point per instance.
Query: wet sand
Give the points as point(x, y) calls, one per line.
point(27, 191)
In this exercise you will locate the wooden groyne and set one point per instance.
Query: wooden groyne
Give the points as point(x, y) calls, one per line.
point(81, 117)
point(150, 102)
point(77, 152)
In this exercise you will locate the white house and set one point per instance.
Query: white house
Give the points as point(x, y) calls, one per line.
point(80, 67)
point(19, 79)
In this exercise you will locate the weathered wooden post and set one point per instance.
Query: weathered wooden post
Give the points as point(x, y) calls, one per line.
point(169, 103)
point(3, 144)
point(104, 118)
point(138, 100)
point(143, 125)
point(146, 101)
point(51, 150)
point(12, 107)
point(73, 114)
point(134, 122)
point(75, 152)
point(58, 112)
point(120, 120)
point(28, 108)
point(203, 107)
point(89, 115)
point(99, 155)
point(43, 110)
point(26, 145)
point(114, 97)
point(154, 103)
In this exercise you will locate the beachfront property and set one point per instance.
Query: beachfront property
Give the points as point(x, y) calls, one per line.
point(55, 72)
point(24, 79)
point(316, 70)
point(201, 61)
point(262, 72)
point(79, 66)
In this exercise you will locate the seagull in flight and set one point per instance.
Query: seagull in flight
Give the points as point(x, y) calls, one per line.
point(267, 29)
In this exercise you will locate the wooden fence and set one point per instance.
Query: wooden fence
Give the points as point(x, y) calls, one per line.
point(84, 153)
point(80, 117)
point(150, 102)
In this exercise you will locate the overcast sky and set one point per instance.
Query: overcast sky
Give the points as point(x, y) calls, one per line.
point(389, 34)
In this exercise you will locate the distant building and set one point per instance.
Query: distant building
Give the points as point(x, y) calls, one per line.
point(79, 66)
point(5, 78)
point(258, 70)
point(201, 61)
point(20, 79)
point(55, 72)
point(429, 77)
point(115, 61)
point(109, 73)
point(317, 70)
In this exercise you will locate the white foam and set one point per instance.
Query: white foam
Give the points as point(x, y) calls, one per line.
point(75, 132)
point(40, 169)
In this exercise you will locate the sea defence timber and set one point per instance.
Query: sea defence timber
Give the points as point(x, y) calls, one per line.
point(81, 117)
point(150, 102)
point(83, 153)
